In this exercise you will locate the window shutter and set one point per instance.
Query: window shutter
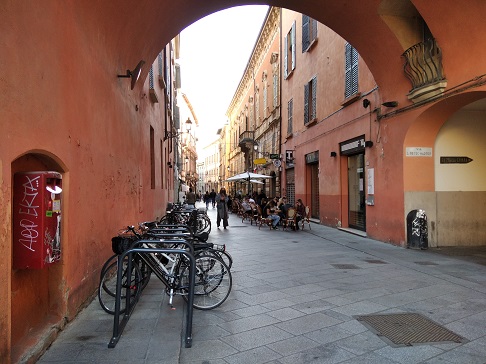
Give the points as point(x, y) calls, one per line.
point(151, 78)
point(286, 57)
point(314, 98)
point(293, 46)
point(355, 70)
point(305, 33)
point(290, 106)
point(306, 103)
point(177, 76)
point(314, 29)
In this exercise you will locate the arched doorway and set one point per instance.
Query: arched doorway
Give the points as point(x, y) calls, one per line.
point(37, 294)
point(445, 170)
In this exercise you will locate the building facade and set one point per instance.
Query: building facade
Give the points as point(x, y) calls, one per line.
point(84, 116)
point(254, 114)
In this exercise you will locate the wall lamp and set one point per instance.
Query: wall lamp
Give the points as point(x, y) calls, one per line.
point(170, 134)
point(333, 154)
point(390, 104)
point(134, 75)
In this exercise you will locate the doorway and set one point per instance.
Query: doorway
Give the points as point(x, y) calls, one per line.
point(356, 202)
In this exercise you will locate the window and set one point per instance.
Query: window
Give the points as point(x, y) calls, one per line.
point(152, 158)
point(265, 99)
point(351, 65)
point(310, 98)
point(289, 52)
point(290, 111)
point(309, 32)
point(275, 90)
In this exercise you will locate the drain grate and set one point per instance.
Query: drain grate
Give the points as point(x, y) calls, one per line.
point(406, 329)
point(426, 263)
point(375, 261)
point(345, 266)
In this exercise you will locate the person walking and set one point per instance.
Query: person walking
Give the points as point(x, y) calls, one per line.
point(207, 199)
point(213, 197)
point(222, 208)
point(191, 198)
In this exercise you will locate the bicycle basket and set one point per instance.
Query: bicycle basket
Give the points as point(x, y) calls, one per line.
point(120, 244)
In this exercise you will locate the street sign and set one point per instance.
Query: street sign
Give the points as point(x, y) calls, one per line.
point(455, 160)
point(274, 156)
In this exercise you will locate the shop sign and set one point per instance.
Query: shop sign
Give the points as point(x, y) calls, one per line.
point(312, 157)
point(353, 146)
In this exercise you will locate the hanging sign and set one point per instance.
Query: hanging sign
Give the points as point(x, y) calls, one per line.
point(260, 161)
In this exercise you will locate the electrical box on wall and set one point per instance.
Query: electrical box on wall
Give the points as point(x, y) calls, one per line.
point(36, 219)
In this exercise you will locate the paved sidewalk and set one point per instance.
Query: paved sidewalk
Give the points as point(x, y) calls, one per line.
point(296, 298)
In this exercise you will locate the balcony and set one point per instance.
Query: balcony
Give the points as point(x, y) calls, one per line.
point(423, 67)
point(247, 140)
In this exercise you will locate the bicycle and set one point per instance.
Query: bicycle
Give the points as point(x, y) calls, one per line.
point(213, 280)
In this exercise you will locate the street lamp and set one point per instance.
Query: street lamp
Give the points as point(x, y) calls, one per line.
point(171, 134)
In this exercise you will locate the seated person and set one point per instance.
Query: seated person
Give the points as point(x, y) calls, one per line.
point(271, 213)
point(246, 206)
point(283, 207)
point(299, 206)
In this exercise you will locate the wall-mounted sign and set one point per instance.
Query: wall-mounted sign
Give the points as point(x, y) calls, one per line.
point(260, 161)
point(455, 160)
point(277, 163)
point(274, 156)
point(418, 152)
point(312, 157)
point(352, 146)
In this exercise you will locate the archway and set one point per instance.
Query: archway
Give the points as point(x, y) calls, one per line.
point(37, 294)
point(439, 176)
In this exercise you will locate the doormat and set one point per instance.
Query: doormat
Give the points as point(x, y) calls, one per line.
point(407, 329)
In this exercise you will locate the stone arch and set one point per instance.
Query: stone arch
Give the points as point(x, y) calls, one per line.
point(404, 21)
point(37, 294)
point(444, 204)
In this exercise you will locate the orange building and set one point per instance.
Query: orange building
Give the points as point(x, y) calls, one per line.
point(64, 109)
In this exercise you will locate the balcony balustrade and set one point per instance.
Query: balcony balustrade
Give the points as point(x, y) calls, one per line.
point(423, 67)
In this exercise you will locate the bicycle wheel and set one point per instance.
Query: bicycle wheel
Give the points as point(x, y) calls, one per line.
point(107, 264)
point(212, 284)
point(107, 287)
point(223, 255)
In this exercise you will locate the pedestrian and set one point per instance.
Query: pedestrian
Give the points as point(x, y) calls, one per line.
point(222, 208)
point(213, 197)
point(207, 199)
point(191, 198)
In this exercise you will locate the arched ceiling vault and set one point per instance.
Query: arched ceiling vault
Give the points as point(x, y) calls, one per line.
point(133, 30)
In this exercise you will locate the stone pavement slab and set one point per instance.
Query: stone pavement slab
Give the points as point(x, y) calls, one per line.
point(295, 299)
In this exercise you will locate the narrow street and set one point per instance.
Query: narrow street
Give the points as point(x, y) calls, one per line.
point(303, 297)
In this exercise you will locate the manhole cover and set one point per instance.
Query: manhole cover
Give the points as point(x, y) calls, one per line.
point(345, 266)
point(375, 261)
point(425, 263)
point(405, 329)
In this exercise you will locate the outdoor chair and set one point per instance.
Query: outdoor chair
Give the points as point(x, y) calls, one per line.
point(263, 220)
point(306, 218)
point(290, 220)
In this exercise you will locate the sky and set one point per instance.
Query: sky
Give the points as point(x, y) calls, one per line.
point(213, 56)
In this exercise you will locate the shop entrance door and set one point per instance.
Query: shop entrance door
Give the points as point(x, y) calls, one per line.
point(356, 189)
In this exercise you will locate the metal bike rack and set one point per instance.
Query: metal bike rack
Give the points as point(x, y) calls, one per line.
point(118, 326)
